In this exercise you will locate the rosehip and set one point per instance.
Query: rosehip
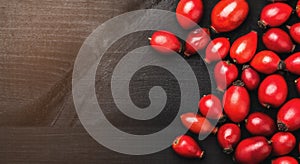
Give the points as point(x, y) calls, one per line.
point(297, 82)
point(288, 117)
point(283, 143)
point(225, 73)
point(250, 78)
point(244, 48)
point(228, 137)
point(267, 62)
point(210, 106)
point(295, 32)
point(293, 63)
point(272, 91)
point(197, 124)
point(260, 124)
point(217, 50)
point(252, 150)
point(236, 102)
point(284, 160)
point(227, 15)
point(165, 42)
point(196, 40)
point(278, 40)
point(186, 146)
point(190, 9)
point(274, 14)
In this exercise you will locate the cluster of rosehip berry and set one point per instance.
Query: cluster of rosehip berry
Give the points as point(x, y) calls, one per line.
point(272, 91)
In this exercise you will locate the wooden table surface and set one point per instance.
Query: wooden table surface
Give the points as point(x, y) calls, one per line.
point(39, 41)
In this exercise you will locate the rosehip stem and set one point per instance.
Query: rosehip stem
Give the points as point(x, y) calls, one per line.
point(262, 24)
point(222, 119)
point(281, 65)
point(238, 83)
point(282, 127)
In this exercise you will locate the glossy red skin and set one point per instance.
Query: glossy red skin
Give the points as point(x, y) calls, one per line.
point(191, 9)
point(298, 8)
point(278, 41)
point(227, 15)
point(217, 49)
point(197, 124)
point(275, 14)
point(266, 62)
point(228, 136)
point(252, 150)
point(236, 103)
point(196, 40)
point(250, 78)
point(284, 160)
point(289, 115)
point(283, 143)
point(260, 124)
point(187, 147)
point(210, 106)
point(272, 91)
point(244, 48)
point(297, 82)
point(295, 32)
point(165, 42)
point(225, 73)
point(293, 63)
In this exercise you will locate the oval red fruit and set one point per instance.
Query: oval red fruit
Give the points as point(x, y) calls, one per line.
point(278, 40)
point(187, 147)
point(260, 124)
point(297, 82)
point(236, 103)
point(227, 15)
point(293, 63)
point(272, 91)
point(252, 150)
point(225, 73)
point(244, 48)
point(228, 137)
point(250, 78)
point(197, 124)
point(295, 32)
point(196, 40)
point(284, 160)
point(217, 49)
point(288, 117)
point(210, 106)
point(266, 62)
point(190, 9)
point(274, 14)
point(165, 42)
point(283, 143)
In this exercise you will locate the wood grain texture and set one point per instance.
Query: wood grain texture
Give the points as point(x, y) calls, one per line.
point(39, 43)
point(73, 145)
